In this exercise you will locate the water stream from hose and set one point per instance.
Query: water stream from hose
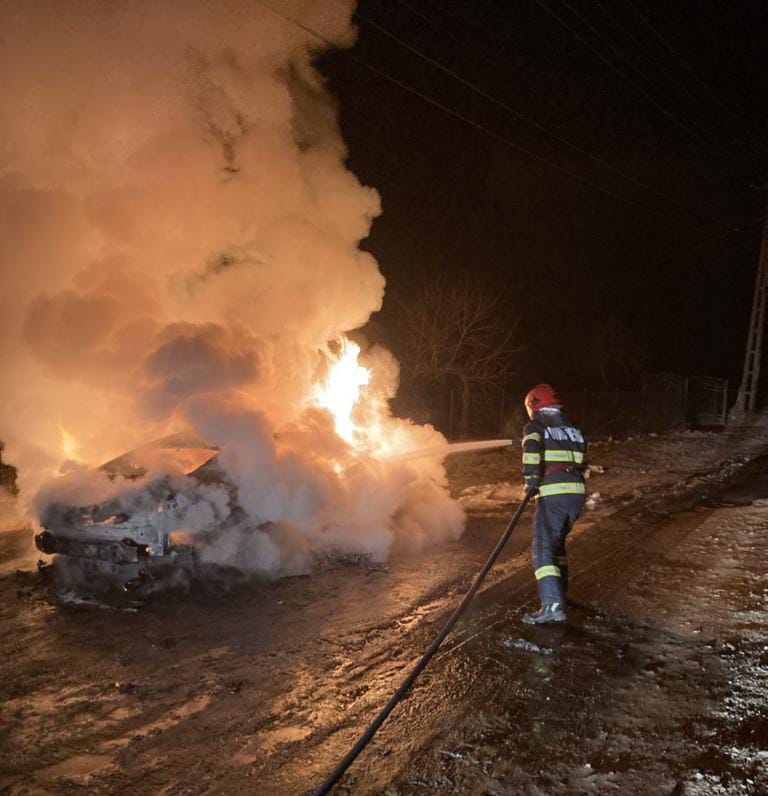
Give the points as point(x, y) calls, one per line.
point(453, 447)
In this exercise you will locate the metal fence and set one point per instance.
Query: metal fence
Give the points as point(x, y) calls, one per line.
point(708, 401)
point(664, 402)
point(659, 405)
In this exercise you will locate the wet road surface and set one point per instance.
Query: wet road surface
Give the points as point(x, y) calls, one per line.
point(655, 685)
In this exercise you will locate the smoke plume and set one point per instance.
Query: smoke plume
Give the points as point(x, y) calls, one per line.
point(179, 251)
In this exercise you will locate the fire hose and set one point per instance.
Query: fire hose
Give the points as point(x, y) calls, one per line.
point(374, 726)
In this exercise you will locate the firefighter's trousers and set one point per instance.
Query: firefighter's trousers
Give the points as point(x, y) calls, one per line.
point(552, 520)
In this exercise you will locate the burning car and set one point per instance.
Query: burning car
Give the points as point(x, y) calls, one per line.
point(127, 543)
point(340, 481)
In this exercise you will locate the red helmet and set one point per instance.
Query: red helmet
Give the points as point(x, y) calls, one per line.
point(540, 397)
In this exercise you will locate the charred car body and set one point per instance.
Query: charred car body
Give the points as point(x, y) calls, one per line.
point(107, 544)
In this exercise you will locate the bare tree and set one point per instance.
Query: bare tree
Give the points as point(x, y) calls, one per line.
point(609, 348)
point(460, 331)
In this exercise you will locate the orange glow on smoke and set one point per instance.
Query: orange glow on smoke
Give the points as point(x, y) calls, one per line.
point(340, 392)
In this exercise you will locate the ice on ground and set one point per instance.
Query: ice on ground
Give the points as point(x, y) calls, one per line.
point(525, 646)
point(489, 497)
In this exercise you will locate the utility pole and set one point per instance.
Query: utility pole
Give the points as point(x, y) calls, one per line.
point(747, 397)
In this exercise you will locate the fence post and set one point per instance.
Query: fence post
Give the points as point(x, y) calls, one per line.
point(725, 403)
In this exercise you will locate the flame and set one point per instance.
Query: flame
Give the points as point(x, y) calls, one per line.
point(340, 392)
point(69, 446)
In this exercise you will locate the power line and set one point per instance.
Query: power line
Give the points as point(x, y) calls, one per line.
point(481, 128)
point(738, 160)
point(545, 5)
point(684, 63)
point(709, 144)
point(438, 65)
point(653, 57)
point(681, 256)
point(596, 33)
point(745, 135)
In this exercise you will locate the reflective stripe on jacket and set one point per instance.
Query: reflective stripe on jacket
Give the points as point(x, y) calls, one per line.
point(554, 455)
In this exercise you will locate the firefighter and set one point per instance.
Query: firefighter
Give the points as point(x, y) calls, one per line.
point(554, 462)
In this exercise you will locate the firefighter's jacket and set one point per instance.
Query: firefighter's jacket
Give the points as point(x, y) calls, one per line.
point(554, 455)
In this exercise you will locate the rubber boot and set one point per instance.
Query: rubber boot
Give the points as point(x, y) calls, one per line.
point(549, 612)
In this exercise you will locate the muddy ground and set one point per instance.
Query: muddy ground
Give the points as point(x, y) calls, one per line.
point(657, 684)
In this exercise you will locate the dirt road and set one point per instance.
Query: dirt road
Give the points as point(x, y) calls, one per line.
point(657, 684)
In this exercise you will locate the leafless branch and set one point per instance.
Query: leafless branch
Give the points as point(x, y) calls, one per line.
point(458, 329)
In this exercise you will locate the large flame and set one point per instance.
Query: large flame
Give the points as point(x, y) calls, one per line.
point(149, 324)
point(69, 447)
point(340, 392)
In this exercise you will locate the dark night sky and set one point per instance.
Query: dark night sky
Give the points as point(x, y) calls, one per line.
point(667, 255)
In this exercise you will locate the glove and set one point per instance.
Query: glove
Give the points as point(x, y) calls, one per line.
point(531, 486)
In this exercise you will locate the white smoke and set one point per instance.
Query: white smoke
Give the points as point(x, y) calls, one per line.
point(178, 244)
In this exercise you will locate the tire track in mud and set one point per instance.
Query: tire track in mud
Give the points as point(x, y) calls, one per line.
point(286, 675)
point(472, 756)
point(147, 688)
point(412, 726)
